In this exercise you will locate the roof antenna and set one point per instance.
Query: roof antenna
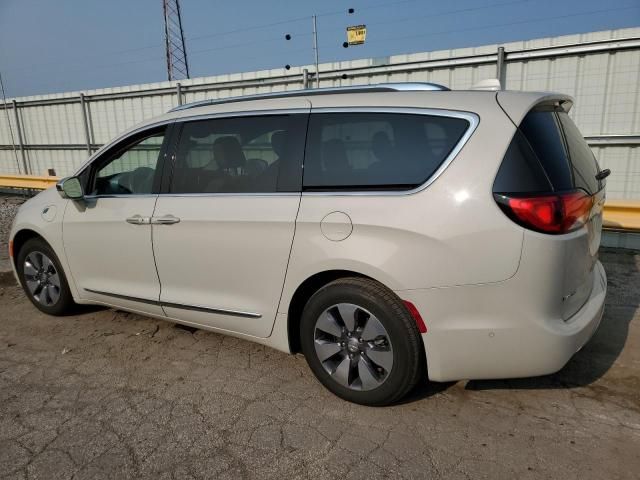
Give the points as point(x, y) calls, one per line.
point(491, 84)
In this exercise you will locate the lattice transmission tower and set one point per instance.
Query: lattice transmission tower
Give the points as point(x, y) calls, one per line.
point(177, 64)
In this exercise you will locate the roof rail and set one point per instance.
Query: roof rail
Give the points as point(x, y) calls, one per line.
point(380, 87)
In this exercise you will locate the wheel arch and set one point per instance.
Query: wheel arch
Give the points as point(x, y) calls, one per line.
point(303, 293)
point(21, 237)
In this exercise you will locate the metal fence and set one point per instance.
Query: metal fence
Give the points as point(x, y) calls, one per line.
point(600, 69)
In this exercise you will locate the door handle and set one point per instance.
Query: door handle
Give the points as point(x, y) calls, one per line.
point(138, 220)
point(165, 220)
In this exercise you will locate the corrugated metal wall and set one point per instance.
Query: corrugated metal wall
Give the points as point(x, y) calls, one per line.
point(600, 69)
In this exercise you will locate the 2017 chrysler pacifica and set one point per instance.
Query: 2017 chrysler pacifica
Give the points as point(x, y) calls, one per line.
point(387, 232)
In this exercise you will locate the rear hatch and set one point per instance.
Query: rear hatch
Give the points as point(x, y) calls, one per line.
point(550, 182)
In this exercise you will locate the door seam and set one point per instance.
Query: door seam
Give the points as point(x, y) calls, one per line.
point(295, 221)
point(153, 254)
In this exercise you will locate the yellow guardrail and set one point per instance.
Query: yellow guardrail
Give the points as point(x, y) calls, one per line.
point(32, 182)
point(618, 214)
point(622, 215)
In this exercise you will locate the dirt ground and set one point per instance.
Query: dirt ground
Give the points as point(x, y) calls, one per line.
point(107, 394)
point(8, 208)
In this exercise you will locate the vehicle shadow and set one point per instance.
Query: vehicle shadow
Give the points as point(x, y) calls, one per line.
point(7, 279)
point(599, 354)
point(424, 389)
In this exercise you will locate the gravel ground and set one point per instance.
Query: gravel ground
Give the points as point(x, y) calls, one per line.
point(8, 208)
point(107, 394)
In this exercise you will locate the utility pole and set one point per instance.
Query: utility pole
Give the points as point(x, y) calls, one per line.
point(6, 111)
point(177, 64)
point(315, 50)
point(305, 72)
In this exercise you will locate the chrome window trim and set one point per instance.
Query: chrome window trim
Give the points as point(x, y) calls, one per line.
point(472, 118)
point(221, 194)
point(243, 113)
point(123, 195)
point(233, 194)
point(199, 308)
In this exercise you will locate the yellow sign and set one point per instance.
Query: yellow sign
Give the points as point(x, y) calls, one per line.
point(356, 35)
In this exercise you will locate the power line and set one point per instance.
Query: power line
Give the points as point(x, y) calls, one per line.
point(430, 15)
point(161, 45)
point(376, 40)
point(535, 20)
point(443, 32)
point(450, 12)
point(252, 28)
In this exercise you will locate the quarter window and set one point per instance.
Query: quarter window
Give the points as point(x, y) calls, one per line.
point(547, 153)
point(377, 150)
point(131, 169)
point(542, 131)
point(240, 155)
point(585, 166)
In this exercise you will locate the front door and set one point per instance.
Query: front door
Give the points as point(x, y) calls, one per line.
point(107, 236)
point(223, 230)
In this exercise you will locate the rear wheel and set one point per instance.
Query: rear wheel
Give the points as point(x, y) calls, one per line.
point(43, 279)
point(360, 342)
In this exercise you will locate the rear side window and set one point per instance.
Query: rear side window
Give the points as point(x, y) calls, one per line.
point(240, 155)
point(347, 151)
point(547, 154)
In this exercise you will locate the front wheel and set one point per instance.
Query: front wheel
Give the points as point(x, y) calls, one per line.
point(361, 342)
point(43, 279)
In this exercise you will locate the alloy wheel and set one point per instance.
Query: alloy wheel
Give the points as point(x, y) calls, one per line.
point(353, 346)
point(41, 278)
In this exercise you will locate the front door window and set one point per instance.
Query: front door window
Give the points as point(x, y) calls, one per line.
point(130, 170)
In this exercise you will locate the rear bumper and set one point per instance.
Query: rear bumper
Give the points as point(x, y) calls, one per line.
point(498, 331)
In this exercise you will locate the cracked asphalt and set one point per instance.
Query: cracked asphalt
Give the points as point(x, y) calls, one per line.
point(107, 394)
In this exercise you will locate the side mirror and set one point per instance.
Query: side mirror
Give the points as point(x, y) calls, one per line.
point(70, 187)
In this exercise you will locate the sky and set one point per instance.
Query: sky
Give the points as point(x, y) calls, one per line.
point(49, 46)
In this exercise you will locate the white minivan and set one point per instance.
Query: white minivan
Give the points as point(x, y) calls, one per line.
point(388, 232)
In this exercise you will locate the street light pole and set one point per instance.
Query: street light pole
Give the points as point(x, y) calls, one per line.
point(315, 50)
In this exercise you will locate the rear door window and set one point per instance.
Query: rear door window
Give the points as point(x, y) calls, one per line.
point(261, 154)
point(373, 151)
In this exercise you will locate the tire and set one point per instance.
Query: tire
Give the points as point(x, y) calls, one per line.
point(380, 360)
point(43, 279)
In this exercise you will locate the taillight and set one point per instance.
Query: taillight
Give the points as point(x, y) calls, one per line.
point(558, 213)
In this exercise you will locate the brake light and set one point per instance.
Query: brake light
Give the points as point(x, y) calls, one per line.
point(555, 214)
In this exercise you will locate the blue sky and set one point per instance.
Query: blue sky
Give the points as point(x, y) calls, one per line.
point(54, 46)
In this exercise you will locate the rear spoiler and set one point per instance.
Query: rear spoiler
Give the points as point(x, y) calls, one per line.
point(517, 104)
